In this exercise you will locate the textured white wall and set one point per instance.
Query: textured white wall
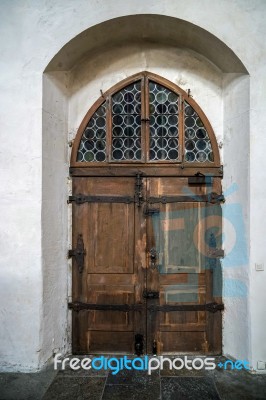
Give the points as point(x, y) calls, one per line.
point(32, 32)
point(236, 267)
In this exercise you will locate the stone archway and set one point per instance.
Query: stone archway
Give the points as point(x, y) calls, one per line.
point(61, 88)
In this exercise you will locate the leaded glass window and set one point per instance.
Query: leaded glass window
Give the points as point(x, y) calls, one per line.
point(93, 142)
point(197, 142)
point(126, 123)
point(146, 122)
point(163, 123)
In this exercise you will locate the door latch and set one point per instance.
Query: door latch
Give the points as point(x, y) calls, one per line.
point(154, 347)
point(150, 295)
point(150, 211)
point(139, 344)
point(78, 253)
point(153, 257)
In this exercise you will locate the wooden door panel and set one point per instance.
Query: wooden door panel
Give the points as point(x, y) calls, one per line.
point(119, 238)
point(111, 321)
point(183, 342)
point(113, 227)
point(109, 342)
point(113, 231)
point(168, 186)
point(181, 234)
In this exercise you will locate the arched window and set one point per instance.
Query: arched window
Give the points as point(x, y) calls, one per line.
point(145, 119)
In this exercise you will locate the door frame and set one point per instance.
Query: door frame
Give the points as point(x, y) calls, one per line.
point(193, 171)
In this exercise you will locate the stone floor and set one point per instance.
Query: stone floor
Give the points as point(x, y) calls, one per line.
point(164, 385)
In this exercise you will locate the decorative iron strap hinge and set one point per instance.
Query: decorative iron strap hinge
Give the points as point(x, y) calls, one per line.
point(211, 307)
point(212, 198)
point(78, 253)
point(81, 198)
point(78, 306)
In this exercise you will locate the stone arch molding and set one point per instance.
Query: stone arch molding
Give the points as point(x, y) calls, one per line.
point(147, 28)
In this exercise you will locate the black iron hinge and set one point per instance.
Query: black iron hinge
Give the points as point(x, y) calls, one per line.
point(81, 198)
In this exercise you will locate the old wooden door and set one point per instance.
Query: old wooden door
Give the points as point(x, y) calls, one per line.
point(183, 235)
point(112, 280)
point(148, 265)
point(146, 223)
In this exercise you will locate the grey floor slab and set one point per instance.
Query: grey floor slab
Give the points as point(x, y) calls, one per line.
point(75, 388)
point(233, 385)
point(30, 386)
point(167, 384)
point(188, 388)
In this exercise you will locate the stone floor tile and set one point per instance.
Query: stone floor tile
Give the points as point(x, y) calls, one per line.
point(74, 388)
point(174, 388)
point(131, 392)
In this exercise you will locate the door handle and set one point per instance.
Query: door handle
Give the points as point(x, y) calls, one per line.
point(153, 258)
point(150, 295)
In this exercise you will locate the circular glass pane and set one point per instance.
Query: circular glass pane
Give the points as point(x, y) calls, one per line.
point(118, 143)
point(100, 145)
point(89, 133)
point(89, 144)
point(172, 120)
point(100, 156)
point(118, 97)
point(89, 156)
point(172, 97)
point(201, 144)
point(161, 97)
point(173, 154)
point(117, 154)
point(190, 133)
point(129, 131)
point(189, 145)
point(189, 122)
point(117, 120)
point(100, 134)
point(201, 133)
point(190, 157)
point(117, 131)
point(201, 156)
point(117, 108)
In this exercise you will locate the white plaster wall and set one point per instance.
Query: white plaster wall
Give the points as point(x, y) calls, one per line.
point(236, 270)
point(32, 32)
point(54, 325)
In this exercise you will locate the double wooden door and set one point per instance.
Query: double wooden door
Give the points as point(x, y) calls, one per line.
point(146, 277)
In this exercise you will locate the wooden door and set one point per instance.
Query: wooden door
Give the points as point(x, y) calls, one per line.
point(150, 266)
point(183, 235)
point(107, 293)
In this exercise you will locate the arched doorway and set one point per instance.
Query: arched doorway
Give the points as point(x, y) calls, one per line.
point(146, 223)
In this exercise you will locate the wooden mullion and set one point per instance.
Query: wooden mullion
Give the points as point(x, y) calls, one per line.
point(181, 129)
point(108, 128)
